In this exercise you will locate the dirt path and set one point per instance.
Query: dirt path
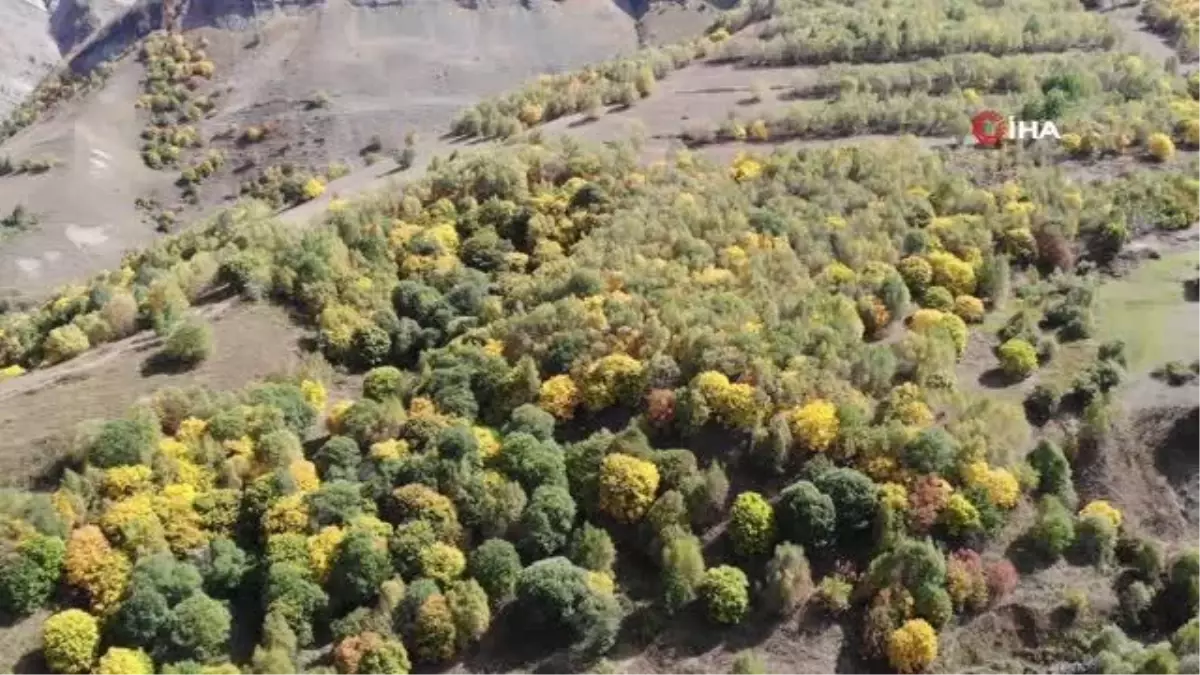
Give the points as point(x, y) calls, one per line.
point(1138, 38)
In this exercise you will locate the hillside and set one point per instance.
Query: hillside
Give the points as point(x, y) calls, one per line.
point(580, 337)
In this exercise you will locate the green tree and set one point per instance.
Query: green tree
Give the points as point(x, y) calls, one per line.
point(198, 628)
point(547, 521)
point(806, 516)
point(726, 594)
point(496, 565)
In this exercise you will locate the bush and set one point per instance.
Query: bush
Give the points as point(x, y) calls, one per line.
point(933, 604)
point(1134, 599)
point(530, 419)
point(1041, 404)
point(969, 308)
point(434, 637)
point(939, 298)
point(1096, 539)
point(65, 343)
point(121, 661)
point(748, 662)
point(1018, 358)
point(387, 657)
point(815, 425)
point(69, 641)
point(496, 565)
point(1161, 147)
point(190, 343)
point(1053, 470)
point(1002, 578)
point(912, 647)
point(628, 486)
point(682, 570)
point(805, 516)
point(751, 524)
point(442, 562)
point(789, 579)
point(726, 595)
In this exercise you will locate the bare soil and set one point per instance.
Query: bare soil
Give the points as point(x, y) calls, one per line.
point(40, 411)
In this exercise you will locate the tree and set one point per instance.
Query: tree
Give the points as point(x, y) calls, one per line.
point(190, 343)
point(815, 425)
point(547, 521)
point(121, 442)
point(592, 549)
point(627, 486)
point(175, 580)
point(65, 343)
point(682, 570)
point(469, 607)
point(338, 459)
point(121, 661)
point(496, 565)
point(442, 562)
point(140, 617)
point(931, 451)
point(434, 634)
point(806, 516)
point(854, 496)
point(726, 594)
point(387, 657)
point(69, 641)
point(532, 462)
point(361, 564)
point(29, 575)
point(1053, 470)
point(1054, 530)
point(789, 579)
point(912, 647)
point(530, 419)
point(1018, 358)
point(199, 628)
point(552, 594)
point(751, 524)
point(385, 382)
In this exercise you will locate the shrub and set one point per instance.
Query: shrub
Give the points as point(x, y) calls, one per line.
point(726, 595)
point(834, 593)
point(387, 657)
point(1053, 470)
point(748, 662)
point(190, 343)
point(69, 641)
point(789, 580)
point(939, 298)
point(969, 308)
point(1161, 147)
point(751, 524)
point(1041, 404)
point(933, 604)
point(532, 420)
point(1134, 599)
point(912, 647)
point(1002, 578)
point(65, 343)
point(314, 187)
point(628, 486)
point(496, 565)
point(1018, 358)
point(1096, 538)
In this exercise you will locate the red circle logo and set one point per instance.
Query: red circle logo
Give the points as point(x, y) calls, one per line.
point(989, 127)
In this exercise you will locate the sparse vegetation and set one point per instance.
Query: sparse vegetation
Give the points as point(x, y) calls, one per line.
point(175, 67)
